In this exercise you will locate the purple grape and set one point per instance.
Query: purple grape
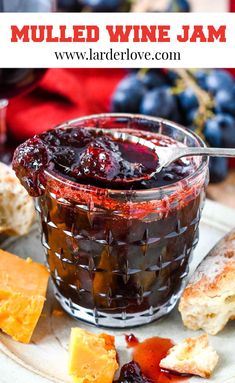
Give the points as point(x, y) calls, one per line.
point(219, 79)
point(218, 169)
point(178, 6)
point(159, 102)
point(213, 132)
point(69, 5)
point(201, 77)
point(225, 101)
point(187, 99)
point(191, 116)
point(103, 5)
point(227, 124)
point(128, 95)
point(153, 79)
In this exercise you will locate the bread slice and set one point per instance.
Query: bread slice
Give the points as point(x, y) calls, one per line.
point(191, 357)
point(208, 301)
point(16, 206)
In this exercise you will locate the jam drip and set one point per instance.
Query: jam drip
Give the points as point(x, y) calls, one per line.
point(131, 340)
point(92, 157)
point(30, 159)
point(146, 359)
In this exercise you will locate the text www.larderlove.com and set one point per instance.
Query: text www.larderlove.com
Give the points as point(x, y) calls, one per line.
point(140, 40)
point(114, 55)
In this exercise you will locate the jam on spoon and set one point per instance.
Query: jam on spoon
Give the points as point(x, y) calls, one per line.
point(100, 155)
point(92, 156)
point(106, 160)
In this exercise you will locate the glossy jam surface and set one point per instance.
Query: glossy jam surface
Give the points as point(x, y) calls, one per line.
point(131, 373)
point(101, 158)
point(146, 359)
point(144, 368)
point(149, 353)
point(120, 255)
point(131, 340)
point(93, 158)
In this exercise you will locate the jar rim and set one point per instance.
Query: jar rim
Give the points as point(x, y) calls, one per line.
point(189, 180)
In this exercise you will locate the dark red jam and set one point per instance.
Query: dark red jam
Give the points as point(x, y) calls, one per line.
point(122, 254)
point(131, 373)
point(131, 340)
point(146, 359)
point(90, 157)
point(148, 355)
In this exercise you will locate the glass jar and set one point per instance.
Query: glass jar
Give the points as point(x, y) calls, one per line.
point(119, 258)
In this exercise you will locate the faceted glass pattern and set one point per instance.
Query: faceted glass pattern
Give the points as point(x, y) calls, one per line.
point(116, 269)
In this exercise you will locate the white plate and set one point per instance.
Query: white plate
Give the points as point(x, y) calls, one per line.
point(45, 359)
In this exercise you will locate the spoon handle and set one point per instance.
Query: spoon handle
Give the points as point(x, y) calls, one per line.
point(214, 152)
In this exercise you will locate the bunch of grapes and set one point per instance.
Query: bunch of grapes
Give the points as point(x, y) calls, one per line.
point(202, 100)
point(116, 5)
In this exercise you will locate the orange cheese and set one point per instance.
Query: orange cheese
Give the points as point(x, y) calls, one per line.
point(23, 285)
point(92, 357)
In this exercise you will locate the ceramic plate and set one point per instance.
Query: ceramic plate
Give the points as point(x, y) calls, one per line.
point(45, 359)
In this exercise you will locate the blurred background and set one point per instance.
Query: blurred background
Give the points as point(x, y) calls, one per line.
point(34, 100)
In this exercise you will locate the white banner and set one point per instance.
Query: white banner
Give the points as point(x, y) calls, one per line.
point(72, 40)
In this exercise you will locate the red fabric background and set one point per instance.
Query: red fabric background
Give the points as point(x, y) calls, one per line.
point(61, 95)
point(232, 5)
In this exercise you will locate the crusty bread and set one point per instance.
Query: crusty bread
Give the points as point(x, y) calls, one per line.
point(208, 301)
point(16, 206)
point(191, 356)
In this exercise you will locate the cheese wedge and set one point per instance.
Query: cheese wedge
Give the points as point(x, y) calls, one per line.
point(92, 357)
point(23, 285)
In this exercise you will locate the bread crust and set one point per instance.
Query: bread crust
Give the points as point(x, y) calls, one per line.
point(16, 206)
point(192, 356)
point(208, 301)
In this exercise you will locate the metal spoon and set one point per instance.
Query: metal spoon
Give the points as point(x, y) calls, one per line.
point(166, 155)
